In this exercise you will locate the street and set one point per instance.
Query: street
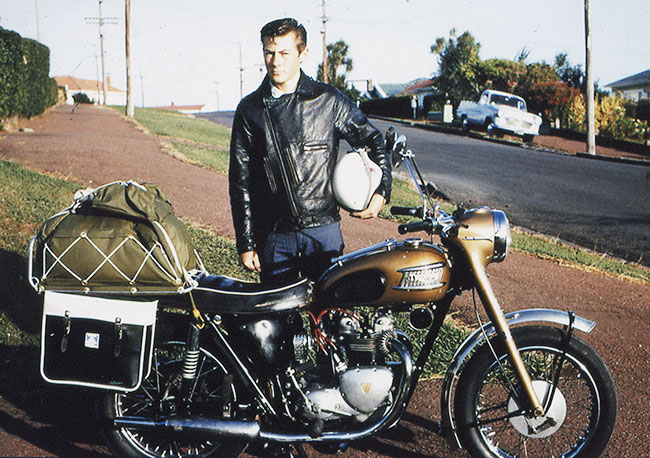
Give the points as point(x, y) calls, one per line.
point(600, 205)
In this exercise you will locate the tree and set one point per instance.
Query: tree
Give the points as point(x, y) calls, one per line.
point(573, 76)
point(338, 66)
point(500, 74)
point(459, 62)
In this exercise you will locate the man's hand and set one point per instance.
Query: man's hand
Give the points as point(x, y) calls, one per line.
point(375, 205)
point(251, 261)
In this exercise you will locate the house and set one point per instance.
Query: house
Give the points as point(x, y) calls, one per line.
point(635, 87)
point(185, 109)
point(92, 88)
point(420, 88)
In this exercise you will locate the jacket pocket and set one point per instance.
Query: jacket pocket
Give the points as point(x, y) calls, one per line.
point(269, 175)
point(316, 147)
point(310, 162)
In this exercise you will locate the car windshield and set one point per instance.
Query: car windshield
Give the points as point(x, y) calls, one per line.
point(510, 101)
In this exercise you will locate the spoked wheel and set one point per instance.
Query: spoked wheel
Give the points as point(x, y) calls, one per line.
point(159, 396)
point(571, 381)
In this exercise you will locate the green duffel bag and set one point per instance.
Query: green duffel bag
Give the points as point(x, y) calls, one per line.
point(122, 237)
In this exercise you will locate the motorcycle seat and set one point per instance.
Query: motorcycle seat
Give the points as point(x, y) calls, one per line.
point(222, 294)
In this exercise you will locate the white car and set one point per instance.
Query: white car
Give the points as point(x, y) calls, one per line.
point(499, 111)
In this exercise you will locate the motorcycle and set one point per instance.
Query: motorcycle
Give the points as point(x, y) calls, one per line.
point(326, 362)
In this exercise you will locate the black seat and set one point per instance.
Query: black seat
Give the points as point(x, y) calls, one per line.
point(221, 294)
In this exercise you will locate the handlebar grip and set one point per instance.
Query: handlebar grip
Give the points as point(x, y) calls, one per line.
point(425, 225)
point(407, 211)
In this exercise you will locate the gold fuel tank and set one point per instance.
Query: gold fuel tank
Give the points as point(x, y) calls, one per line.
point(405, 272)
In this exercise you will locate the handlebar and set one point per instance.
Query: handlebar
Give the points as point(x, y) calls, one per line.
point(426, 225)
point(417, 212)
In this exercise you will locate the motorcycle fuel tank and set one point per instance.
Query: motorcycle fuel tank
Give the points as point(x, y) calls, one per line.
point(410, 271)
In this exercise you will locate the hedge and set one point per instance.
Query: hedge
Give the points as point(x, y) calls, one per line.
point(25, 86)
point(398, 107)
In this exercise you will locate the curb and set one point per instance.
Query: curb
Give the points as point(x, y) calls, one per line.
point(457, 131)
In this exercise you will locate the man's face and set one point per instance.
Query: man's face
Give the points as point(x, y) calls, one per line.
point(282, 58)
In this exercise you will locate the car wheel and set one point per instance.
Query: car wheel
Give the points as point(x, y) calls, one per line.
point(465, 124)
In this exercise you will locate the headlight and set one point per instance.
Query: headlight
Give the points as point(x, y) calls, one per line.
point(502, 237)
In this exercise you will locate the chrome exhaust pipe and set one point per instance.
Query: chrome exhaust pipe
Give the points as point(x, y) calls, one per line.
point(249, 430)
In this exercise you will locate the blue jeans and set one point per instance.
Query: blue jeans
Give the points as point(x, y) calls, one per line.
point(289, 256)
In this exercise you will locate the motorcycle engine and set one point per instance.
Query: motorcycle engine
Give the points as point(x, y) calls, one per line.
point(357, 381)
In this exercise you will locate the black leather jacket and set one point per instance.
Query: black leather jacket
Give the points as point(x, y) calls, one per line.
point(282, 155)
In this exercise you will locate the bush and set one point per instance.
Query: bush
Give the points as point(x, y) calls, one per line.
point(611, 119)
point(81, 97)
point(25, 86)
point(10, 63)
point(643, 110)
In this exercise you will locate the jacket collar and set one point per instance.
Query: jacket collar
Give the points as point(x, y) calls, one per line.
point(307, 87)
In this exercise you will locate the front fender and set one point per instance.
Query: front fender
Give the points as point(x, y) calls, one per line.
point(479, 335)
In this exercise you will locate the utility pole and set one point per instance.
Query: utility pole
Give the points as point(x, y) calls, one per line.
point(142, 90)
point(130, 108)
point(591, 122)
point(216, 87)
point(324, 32)
point(101, 49)
point(241, 75)
point(101, 20)
point(38, 28)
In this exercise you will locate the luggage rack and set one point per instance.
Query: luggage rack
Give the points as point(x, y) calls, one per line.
point(181, 279)
point(120, 238)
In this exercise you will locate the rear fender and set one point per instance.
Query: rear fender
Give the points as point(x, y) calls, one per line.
point(520, 317)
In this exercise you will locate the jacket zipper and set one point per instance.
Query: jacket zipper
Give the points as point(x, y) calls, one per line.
point(269, 174)
point(283, 171)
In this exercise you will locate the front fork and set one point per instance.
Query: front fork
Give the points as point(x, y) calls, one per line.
point(496, 315)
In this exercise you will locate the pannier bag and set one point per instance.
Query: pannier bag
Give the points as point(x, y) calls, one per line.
point(119, 238)
point(96, 342)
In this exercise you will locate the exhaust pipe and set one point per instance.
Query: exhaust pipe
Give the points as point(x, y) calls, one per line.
point(249, 430)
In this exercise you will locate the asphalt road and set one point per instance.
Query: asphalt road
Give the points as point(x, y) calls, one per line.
point(600, 205)
point(597, 204)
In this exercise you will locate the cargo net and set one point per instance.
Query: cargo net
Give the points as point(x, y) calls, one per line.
point(91, 248)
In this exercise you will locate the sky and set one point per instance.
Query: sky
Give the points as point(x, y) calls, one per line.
point(208, 52)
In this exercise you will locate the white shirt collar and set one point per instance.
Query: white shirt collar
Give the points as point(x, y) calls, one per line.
point(277, 93)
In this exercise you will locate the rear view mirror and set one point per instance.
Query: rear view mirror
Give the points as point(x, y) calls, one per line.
point(399, 148)
point(395, 146)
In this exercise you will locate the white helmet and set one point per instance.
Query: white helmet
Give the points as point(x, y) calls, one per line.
point(355, 180)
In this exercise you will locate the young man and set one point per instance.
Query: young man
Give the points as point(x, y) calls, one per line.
point(283, 151)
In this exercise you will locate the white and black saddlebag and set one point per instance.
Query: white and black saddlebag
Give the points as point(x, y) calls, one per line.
point(96, 342)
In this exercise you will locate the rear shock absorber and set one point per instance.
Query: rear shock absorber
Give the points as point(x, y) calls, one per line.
point(191, 359)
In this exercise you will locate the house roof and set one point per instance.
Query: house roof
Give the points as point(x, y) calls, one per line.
point(182, 108)
point(640, 79)
point(79, 84)
point(420, 85)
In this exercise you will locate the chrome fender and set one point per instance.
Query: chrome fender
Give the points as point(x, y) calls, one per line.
point(514, 318)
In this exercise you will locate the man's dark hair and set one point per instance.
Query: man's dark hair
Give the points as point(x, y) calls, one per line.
point(281, 27)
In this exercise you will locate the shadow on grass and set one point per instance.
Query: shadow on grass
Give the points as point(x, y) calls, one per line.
point(53, 419)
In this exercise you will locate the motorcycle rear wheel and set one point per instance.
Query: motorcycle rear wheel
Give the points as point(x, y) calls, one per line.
point(581, 412)
point(159, 396)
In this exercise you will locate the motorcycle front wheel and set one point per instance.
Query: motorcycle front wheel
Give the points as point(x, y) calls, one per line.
point(571, 381)
point(160, 395)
